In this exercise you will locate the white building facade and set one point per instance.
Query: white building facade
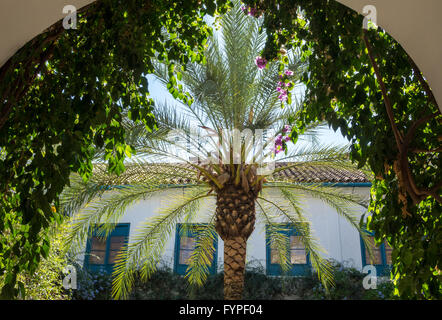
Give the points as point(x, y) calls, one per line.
point(340, 240)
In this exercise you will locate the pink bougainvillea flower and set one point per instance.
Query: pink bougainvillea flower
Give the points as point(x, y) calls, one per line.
point(278, 140)
point(287, 128)
point(283, 96)
point(261, 62)
point(289, 73)
point(280, 90)
point(286, 138)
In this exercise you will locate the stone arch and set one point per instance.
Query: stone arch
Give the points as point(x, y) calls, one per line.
point(22, 20)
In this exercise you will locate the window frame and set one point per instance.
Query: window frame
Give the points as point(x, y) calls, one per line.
point(274, 269)
point(383, 269)
point(180, 268)
point(120, 229)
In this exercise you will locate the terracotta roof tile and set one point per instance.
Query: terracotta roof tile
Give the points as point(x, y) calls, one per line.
point(182, 174)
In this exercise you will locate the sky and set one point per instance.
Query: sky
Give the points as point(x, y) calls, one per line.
point(160, 94)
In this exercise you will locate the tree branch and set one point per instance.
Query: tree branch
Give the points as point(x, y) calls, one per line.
point(389, 109)
point(437, 150)
point(402, 168)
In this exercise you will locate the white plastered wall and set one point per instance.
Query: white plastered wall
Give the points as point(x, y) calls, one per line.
point(335, 234)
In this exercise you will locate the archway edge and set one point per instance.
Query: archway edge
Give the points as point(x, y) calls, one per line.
point(416, 25)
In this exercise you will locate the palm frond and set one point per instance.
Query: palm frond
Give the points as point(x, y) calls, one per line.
point(322, 266)
point(80, 192)
point(330, 156)
point(102, 213)
point(229, 92)
point(203, 254)
point(345, 204)
point(144, 251)
point(276, 238)
point(105, 197)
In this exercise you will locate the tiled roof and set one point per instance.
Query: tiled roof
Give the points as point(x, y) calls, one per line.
point(182, 174)
point(316, 174)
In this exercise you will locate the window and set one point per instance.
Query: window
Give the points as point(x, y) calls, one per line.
point(185, 244)
point(388, 251)
point(376, 258)
point(101, 253)
point(298, 255)
point(297, 250)
point(381, 259)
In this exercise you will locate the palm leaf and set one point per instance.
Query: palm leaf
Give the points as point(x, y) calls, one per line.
point(144, 251)
point(203, 254)
point(321, 265)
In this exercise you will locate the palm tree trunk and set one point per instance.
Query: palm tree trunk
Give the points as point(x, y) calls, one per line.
point(234, 267)
point(235, 221)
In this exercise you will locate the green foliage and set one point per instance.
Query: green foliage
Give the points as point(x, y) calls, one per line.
point(92, 286)
point(46, 283)
point(164, 284)
point(229, 92)
point(63, 94)
point(348, 286)
point(395, 131)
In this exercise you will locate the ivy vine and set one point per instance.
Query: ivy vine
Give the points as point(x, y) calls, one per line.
point(365, 84)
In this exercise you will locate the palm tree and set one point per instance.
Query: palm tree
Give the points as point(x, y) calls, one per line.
point(229, 92)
